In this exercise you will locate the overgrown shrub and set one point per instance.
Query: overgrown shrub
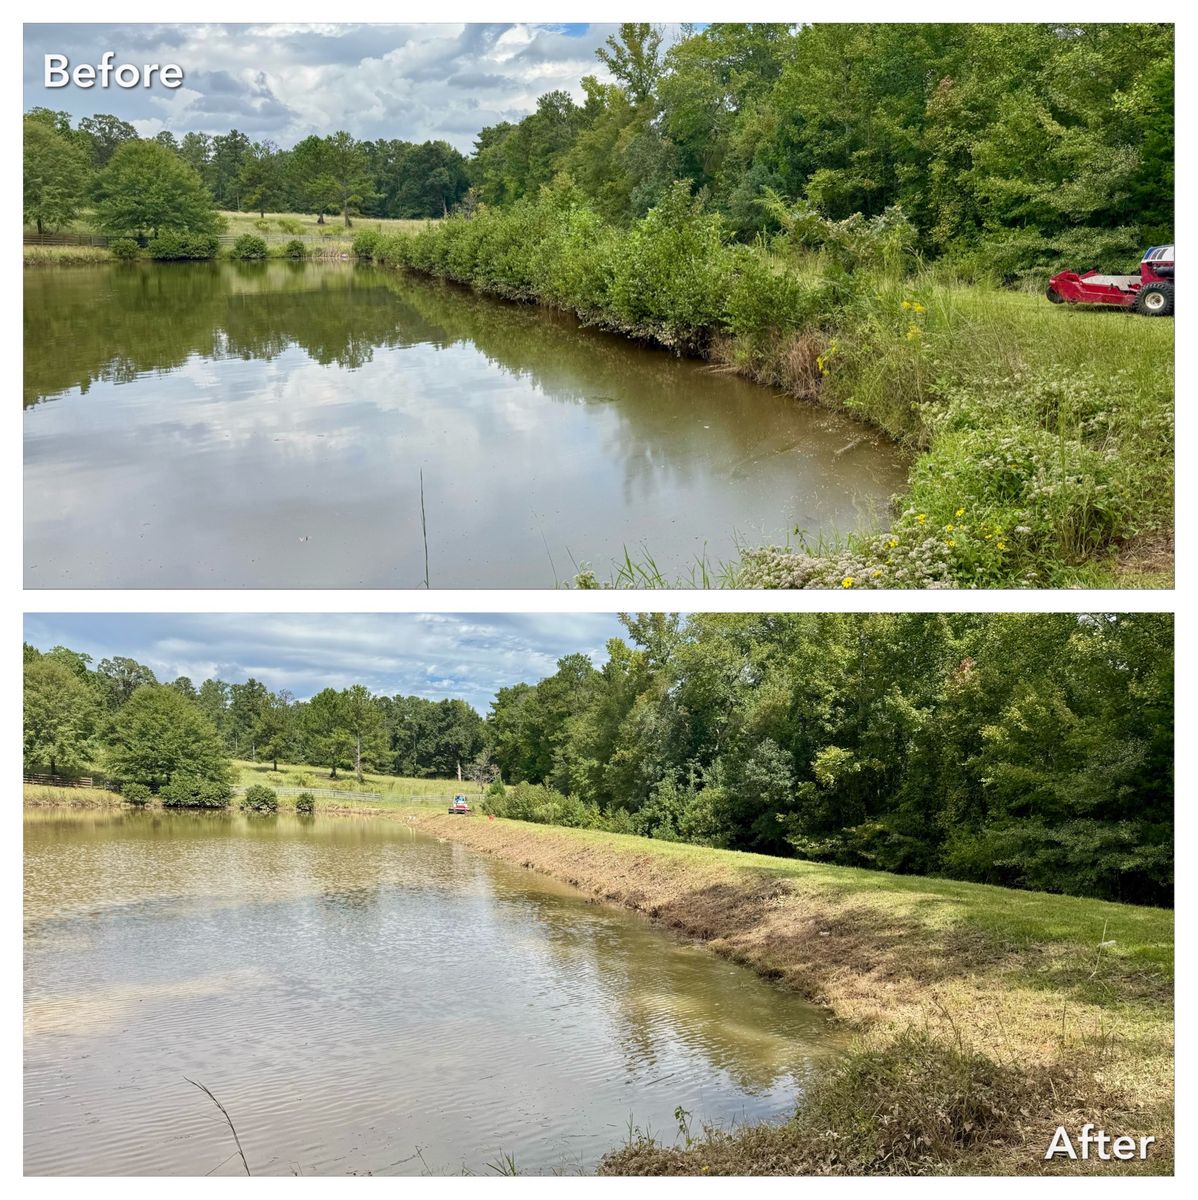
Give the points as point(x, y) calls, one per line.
point(366, 242)
point(295, 249)
point(305, 803)
point(124, 249)
point(290, 225)
point(260, 799)
point(249, 248)
point(917, 1106)
point(174, 245)
point(136, 793)
point(543, 805)
point(189, 791)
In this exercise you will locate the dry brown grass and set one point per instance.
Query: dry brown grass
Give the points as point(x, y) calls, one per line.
point(1076, 1035)
point(38, 795)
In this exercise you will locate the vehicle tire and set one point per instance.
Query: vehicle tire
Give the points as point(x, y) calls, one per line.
point(1155, 300)
point(1054, 296)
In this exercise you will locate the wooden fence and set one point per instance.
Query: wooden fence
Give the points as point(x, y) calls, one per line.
point(63, 781)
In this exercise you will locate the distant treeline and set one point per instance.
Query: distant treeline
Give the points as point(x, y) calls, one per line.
point(117, 715)
point(1004, 144)
point(70, 166)
point(1028, 750)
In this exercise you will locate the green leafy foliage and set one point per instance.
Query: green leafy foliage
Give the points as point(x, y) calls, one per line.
point(305, 803)
point(125, 249)
point(56, 169)
point(295, 249)
point(1024, 750)
point(61, 717)
point(173, 246)
point(147, 189)
point(192, 791)
point(159, 734)
point(136, 794)
point(259, 799)
point(249, 248)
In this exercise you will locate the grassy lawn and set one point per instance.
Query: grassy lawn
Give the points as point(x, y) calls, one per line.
point(388, 789)
point(1058, 1008)
point(304, 225)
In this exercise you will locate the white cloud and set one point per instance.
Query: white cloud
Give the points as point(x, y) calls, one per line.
point(436, 655)
point(413, 81)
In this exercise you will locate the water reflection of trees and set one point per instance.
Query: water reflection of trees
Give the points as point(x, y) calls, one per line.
point(114, 324)
point(659, 993)
point(670, 420)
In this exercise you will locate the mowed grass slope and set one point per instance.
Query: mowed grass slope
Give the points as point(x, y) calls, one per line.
point(1051, 1009)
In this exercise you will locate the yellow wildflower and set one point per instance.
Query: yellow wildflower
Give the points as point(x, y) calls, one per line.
point(951, 542)
point(960, 512)
point(1002, 545)
point(948, 528)
point(906, 304)
point(847, 581)
point(921, 517)
point(918, 307)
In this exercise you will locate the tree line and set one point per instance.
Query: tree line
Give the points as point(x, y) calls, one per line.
point(102, 162)
point(1027, 750)
point(1001, 142)
point(1005, 145)
point(116, 715)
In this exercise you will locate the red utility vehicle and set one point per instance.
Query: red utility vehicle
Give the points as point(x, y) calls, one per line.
point(459, 805)
point(1150, 292)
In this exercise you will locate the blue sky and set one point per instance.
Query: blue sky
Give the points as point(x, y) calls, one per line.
point(283, 82)
point(436, 655)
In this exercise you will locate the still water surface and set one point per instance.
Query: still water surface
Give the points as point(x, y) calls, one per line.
point(363, 999)
point(266, 425)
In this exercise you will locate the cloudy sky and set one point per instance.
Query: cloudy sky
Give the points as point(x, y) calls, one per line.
point(283, 82)
point(436, 655)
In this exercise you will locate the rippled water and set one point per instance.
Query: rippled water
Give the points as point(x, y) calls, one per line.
point(363, 999)
point(266, 425)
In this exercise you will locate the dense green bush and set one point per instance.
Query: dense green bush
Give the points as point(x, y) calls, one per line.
point(174, 245)
point(136, 793)
point(295, 249)
point(190, 791)
point(366, 242)
point(124, 249)
point(249, 248)
point(260, 799)
point(305, 803)
point(1042, 446)
point(542, 805)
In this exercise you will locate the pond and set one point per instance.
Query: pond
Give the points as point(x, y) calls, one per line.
point(363, 998)
point(275, 425)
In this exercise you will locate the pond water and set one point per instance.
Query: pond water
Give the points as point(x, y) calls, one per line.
point(269, 425)
point(363, 998)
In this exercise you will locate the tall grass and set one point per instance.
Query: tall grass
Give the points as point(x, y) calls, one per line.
point(1043, 435)
point(65, 256)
